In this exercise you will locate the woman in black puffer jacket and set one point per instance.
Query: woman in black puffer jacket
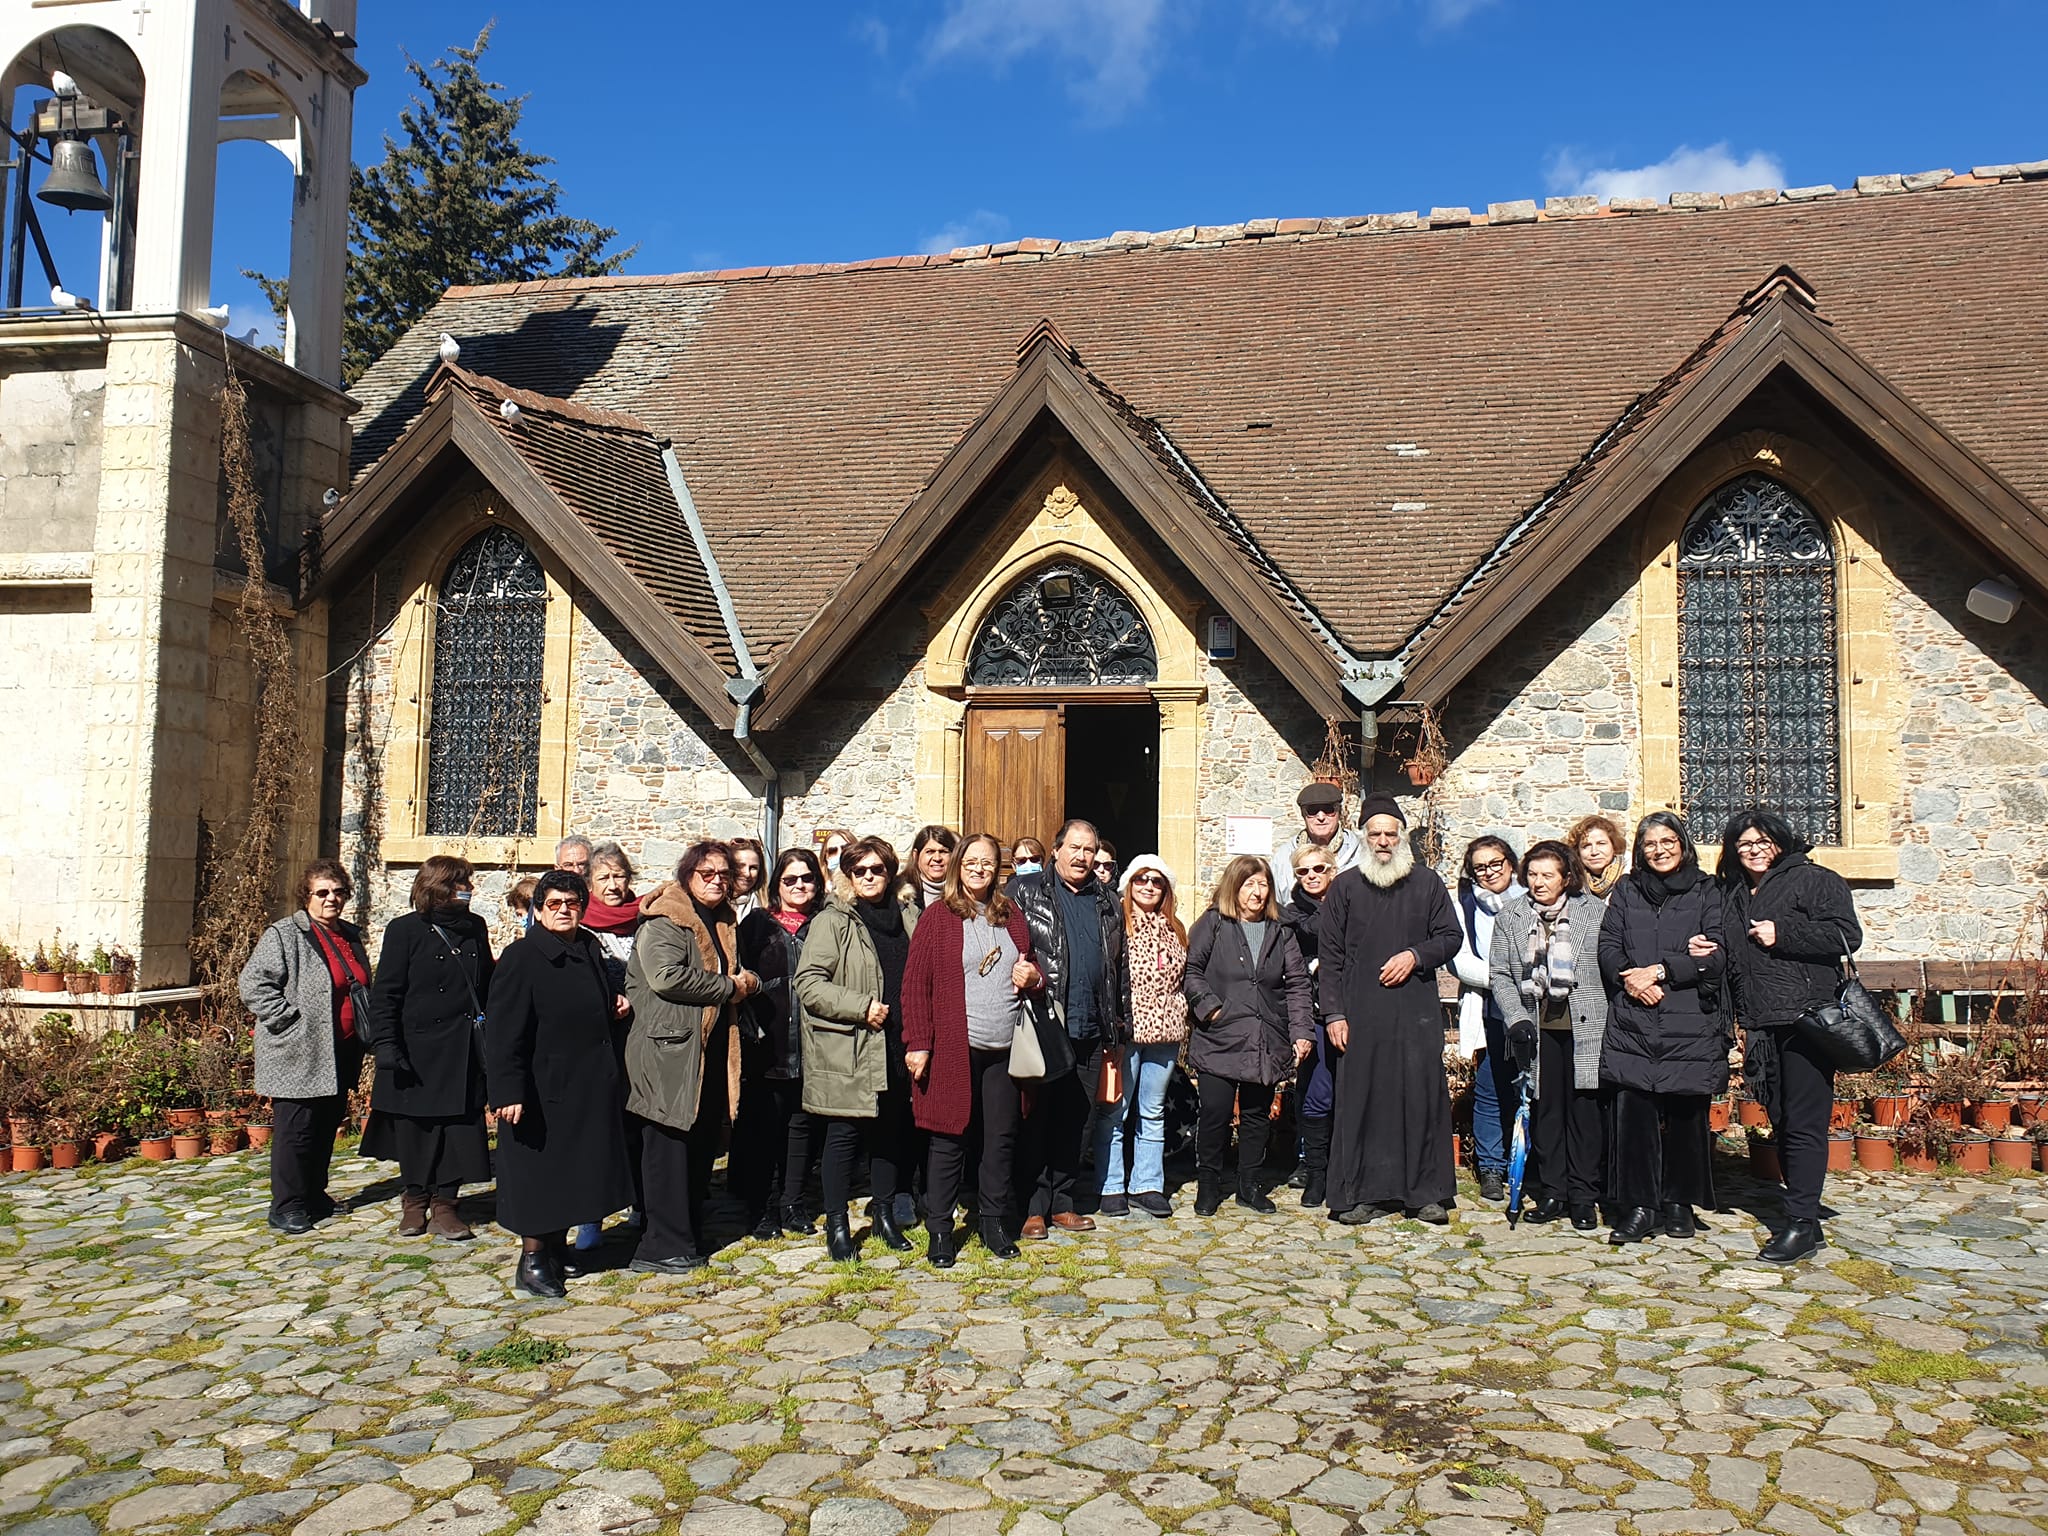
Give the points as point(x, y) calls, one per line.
point(1789, 923)
point(1665, 1052)
point(773, 1139)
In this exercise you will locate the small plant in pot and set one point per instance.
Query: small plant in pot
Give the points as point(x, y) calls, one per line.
point(1926, 1140)
point(78, 980)
point(2013, 1148)
point(10, 967)
point(40, 973)
point(1958, 1079)
point(1876, 1148)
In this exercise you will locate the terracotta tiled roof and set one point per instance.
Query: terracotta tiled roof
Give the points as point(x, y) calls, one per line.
point(1377, 402)
point(606, 466)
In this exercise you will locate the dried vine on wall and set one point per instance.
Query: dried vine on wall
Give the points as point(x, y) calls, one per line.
point(241, 877)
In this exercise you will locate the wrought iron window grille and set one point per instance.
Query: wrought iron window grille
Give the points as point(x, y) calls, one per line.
point(483, 728)
point(1063, 626)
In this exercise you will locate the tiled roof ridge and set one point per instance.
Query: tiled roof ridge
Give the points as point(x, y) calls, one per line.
point(1284, 231)
point(548, 405)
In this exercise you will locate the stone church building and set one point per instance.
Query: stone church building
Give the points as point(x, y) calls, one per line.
point(1637, 505)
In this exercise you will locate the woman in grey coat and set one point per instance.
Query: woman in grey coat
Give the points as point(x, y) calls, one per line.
point(1546, 983)
point(304, 984)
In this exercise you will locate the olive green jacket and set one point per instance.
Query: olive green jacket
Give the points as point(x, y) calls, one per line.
point(846, 1062)
point(682, 1028)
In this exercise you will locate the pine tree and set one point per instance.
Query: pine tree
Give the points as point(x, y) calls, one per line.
point(456, 199)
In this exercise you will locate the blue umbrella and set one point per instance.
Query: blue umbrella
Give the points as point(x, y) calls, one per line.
point(1518, 1146)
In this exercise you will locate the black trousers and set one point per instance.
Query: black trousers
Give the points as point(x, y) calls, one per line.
point(1806, 1089)
point(1212, 1131)
point(1662, 1152)
point(302, 1136)
point(992, 1129)
point(675, 1174)
point(882, 1138)
point(1056, 1134)
point(1569, 1129)
point(771, 1144)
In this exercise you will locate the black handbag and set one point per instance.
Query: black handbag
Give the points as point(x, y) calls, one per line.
point(1854, 1032)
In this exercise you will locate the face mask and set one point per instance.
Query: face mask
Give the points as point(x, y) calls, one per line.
point(1028, 866)
point(526, 921)
point(462, 898)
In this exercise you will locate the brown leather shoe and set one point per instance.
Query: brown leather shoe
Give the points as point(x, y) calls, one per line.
point(1033, 1230)
point(447, 1223)
point(412, 1214)
point(1068, 1221)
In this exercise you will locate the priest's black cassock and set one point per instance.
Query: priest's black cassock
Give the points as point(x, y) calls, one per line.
point(1390, 1129)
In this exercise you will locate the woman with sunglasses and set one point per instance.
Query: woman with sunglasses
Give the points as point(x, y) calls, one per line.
point(1157, 944)
point(1104, 862)
point(1315, 866)
point(555, 1086)
point(963, 996)
point(849, 986)
point(773, 1139)
point(1486, 884)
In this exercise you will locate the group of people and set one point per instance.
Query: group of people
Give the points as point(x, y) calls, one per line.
point(1008, 1047)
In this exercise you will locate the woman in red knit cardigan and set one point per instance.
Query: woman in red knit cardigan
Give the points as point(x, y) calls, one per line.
point(963, 992)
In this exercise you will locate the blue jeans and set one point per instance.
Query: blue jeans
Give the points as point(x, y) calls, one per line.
point(1494, 1101)
point(1146, 1071)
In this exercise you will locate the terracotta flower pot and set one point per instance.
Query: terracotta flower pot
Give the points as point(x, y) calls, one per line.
point(106, 1147)
point(42, 981)
point(112, 984)
point(186, 1119)
point(155, 1149)
point(66, 1154)
point(1421, 775)
point(1919, 1162)
point(1876, 1154)
point(1973, 1154)
point(1993, 1114)
point(187, 1144)
point(1947, 1114)
point(1719, 1113)
point(2030, 1108)
point(25, 1159)
point(1845, 1114)
point(1752, 1113)
point(259, 1135)
point(79, 983)
point(1891, 1108)
point(223, 1139)
point(2013, 1154)
point(1841, 1151)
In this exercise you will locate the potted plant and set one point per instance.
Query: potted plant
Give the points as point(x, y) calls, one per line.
point(25, 1154)
point(1841, 1150)
point(1958, 1079)
point(2013, 1149)
point(78, 981)
point(41, 973)
point(1853, 1090)
point(1925, 1140)
point(1752, 1113)
point(1973, 1152)
point(1720, 1112)
point(259, 1124)
point(1876, 1151)
point(2038, 1134)
point(121, 968)
point(187, 1142)
point(1432, 753)
point(154, 1145)
point(1763, 1155)
point(10, 967)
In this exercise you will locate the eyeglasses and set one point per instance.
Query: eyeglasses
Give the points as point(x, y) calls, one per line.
point(1316, 869)
point(566, 904)
point(1148, 880)
point(1755, 845)
point(330, 893)
point(870, 871)
point(799, 880)
point(1661, 845)
point(712, 876)
point(1105, 863)
point(1490, 867)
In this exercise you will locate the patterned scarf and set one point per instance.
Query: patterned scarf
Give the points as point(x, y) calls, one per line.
point(1550, 968)
point(1604, 882)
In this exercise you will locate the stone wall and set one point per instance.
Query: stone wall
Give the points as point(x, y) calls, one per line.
point(50, 429)
point(1259, 738)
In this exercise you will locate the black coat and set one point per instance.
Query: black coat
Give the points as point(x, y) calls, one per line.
point(1681, 1044)
point(1817, 925)
point(768, 1019)
point(421, 1015)
point(1245, 1016)
point(550, 1052)
point(1034, 894)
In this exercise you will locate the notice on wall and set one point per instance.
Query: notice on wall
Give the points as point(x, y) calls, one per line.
point(1248, 834)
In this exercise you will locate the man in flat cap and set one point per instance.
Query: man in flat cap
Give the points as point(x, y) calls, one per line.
point(1321, 827)
point(1386, 927)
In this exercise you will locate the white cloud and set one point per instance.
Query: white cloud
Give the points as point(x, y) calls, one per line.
point(874, 32)
point(980, 227)
point(1113, 45)
point(1713, 169)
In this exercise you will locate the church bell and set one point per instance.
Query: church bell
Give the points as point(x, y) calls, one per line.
point(74, 179)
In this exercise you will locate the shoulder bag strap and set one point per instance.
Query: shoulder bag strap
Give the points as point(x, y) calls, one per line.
point(476, 1007)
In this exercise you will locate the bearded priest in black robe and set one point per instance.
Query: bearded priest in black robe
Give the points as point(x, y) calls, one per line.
point(1386, 927)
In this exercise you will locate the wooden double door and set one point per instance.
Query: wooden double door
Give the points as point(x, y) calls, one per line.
point(1029, 765)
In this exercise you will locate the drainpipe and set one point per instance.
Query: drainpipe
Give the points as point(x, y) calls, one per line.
point(745, 689)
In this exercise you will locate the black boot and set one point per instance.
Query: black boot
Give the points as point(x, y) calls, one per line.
point(765, 1226)
point(796, 1219)
point(1251, 1196)
point(536, 1274)
point(1585, 1217)
point(1678, 1221)
point(1315, 1135)
point(882, 1213)
point(839, 1243)
point(1636, 1225)
point(995, 1237)
point(942, 1249)
point(1799, 1240)
point(1208, 1197)
point(1547, 1208)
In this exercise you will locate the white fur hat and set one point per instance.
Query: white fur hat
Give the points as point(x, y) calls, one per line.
point(1139, 865)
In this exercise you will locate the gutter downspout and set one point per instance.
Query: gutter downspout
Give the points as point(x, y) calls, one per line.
point(745, 689)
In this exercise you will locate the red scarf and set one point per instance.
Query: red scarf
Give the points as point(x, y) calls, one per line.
point(342, 968)
point(600, 918)
point(791, 919)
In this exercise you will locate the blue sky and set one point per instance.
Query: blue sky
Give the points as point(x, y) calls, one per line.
point(721, 135)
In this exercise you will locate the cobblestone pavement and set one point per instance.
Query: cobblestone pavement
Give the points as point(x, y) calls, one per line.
point(167, 1364)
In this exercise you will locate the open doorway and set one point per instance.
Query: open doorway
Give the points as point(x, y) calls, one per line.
point(1112, 773)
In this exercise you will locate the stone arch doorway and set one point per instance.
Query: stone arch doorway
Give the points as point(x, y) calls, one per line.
point(1063, 679)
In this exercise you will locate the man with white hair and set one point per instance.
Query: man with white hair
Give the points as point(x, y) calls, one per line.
point(1386, 926)
point(573, 854)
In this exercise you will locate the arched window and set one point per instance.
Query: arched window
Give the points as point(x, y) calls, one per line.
point(1758, 708)
point(1063, 626)
point(483, 732)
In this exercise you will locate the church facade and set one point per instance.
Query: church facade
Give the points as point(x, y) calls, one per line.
point(1623, 507)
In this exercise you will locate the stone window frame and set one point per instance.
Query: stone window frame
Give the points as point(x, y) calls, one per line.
point(425, 565)
point(1841, 496)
